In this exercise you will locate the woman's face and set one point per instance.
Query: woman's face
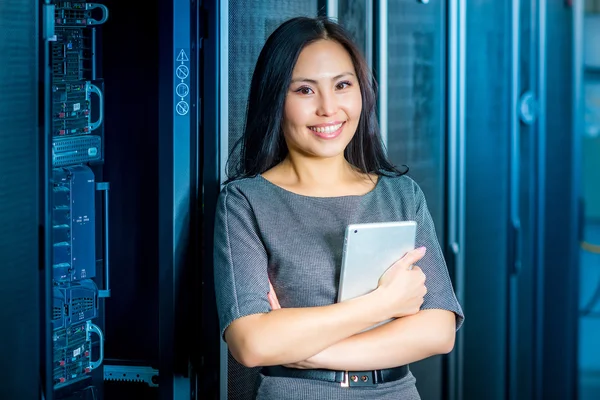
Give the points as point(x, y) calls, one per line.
point(323, 103)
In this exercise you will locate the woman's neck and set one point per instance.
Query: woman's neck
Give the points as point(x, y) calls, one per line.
point(320, 177)
point(324, 172)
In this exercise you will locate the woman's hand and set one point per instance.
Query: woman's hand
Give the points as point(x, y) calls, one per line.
point(402, 286)
point(401, 289)
point(273, 301)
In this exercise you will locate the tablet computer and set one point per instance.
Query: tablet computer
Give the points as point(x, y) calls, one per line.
point(369, 250)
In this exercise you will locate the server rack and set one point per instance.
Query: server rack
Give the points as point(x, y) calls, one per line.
point(78, 221)
point(21, 201)
point(122, 122)
point(518, 136)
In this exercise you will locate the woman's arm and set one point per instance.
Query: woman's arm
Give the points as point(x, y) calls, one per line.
point(402, 341)
point(290, 335)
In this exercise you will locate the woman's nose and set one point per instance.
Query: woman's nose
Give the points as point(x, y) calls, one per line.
point(327, 105)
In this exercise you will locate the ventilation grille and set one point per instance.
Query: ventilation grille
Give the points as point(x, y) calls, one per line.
point(57, 313)
point(82, 304)
point(76, 150)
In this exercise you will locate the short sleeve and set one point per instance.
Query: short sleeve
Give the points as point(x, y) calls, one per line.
point(240, 260)
point(440, 293)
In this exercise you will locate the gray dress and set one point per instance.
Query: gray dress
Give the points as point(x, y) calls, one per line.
point(263, 231)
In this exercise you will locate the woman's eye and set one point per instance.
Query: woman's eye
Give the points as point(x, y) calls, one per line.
point(343, 85)
point(304, 90)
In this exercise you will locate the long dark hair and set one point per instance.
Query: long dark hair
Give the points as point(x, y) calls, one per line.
point(262, 145)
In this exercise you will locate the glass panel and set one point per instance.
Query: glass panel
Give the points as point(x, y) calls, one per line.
point(416, 81)
point(354, 16)
point(416, 122)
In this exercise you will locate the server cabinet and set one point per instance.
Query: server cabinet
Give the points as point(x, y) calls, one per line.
point(122, 129)
point(178, 186)
point(150, 69)
point(22, 205)
point(76, 194)
point(519, 153)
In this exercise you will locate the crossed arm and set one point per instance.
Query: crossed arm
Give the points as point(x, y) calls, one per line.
point(402, 341)
point(324, 337)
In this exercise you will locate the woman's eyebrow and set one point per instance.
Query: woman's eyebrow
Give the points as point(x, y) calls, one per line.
point(315, 82)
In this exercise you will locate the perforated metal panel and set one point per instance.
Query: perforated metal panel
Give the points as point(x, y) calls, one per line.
point(352, 14)
point(250, 24)
point(19, 340)
point(416, 69)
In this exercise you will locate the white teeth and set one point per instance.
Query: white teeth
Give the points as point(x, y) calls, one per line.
point(327, 129)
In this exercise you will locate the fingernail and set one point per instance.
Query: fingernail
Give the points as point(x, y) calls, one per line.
point(422, 249)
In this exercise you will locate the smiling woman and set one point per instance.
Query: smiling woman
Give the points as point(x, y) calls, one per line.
point(322, 104)
point(284, 67)
point(312, 162)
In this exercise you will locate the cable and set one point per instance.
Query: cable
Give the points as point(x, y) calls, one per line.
point(588, 310)
point(592, 248)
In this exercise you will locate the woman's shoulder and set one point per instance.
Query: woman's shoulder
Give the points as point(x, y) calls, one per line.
point(252, 192)
point(404, 192)
point(245, 186)
point(400, 183)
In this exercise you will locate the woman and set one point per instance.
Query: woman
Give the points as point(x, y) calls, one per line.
point(311, 163)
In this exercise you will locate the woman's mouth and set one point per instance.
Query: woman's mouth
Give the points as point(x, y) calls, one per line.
point(327, 131)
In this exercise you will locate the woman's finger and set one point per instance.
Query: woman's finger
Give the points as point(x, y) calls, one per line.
point(272, 296)
point(271, 301)
point(413, 256)
point(275, 300)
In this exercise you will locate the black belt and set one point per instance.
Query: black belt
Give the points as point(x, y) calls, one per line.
point(345, 378)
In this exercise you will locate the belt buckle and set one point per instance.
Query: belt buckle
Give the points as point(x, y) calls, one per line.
point(345, 382)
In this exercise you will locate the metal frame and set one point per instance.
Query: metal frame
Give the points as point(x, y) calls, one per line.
point(578, 127)
point(577, 210)
point(45, 29)
point(541, 198)
point(211, 183)
point(381, 21)
point(369, 25)
point(457, 12)
point(514, 229)
point(176, 191)
point(578, 102)
point(223, 87)
point(223, 135)
point(332, 9)
point(515, 150)
point(131, 373)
